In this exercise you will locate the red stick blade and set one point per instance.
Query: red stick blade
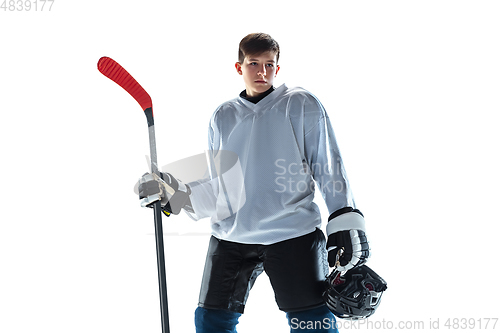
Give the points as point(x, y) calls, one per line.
point(112, 70)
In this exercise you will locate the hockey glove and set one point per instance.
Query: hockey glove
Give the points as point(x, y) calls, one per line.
point(174, 195)
point(347, 244)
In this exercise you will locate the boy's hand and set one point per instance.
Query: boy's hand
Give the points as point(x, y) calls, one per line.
point(174, 195)
point(347, 244)
point(152, 188)
point(347, 249)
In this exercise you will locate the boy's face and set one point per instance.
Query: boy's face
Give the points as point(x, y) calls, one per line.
point(258, 72)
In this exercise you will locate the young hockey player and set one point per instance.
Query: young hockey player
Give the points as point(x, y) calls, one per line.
point(262, 212)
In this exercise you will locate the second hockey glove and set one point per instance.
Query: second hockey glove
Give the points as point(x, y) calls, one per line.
point(347, 244)
point(174, 195)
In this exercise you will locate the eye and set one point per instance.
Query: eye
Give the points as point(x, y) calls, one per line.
point(253, 63)
point(270, 65)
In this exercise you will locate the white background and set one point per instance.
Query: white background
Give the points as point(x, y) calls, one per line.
point(412, 90)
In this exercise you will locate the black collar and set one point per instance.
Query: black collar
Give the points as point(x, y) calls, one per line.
point(256, 99)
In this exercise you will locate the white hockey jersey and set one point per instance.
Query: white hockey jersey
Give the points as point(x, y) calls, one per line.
point(284, 145)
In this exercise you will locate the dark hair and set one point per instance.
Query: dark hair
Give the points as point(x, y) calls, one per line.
point(256, 44)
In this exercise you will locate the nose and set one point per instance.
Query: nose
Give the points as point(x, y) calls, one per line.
point(262, 70)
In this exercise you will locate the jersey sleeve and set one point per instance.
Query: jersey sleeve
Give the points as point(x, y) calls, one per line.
point(221, 193)
point(326, 165)
point(327, 168)
point(203, 192)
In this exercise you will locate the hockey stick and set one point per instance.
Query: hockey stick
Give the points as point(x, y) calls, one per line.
point(112, 70)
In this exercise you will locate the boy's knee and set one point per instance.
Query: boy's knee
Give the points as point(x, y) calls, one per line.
point(211, 320)
point(317, 320)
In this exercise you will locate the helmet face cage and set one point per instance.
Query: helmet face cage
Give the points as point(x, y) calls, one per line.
point(354, 295)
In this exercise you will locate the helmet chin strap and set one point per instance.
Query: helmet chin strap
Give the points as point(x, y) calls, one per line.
point(337, 275)
point(337, 260)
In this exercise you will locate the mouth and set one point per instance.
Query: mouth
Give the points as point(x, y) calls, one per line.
point(260, 81)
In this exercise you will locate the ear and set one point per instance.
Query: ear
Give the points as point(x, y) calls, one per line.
point(277, 70)
point(238, 68)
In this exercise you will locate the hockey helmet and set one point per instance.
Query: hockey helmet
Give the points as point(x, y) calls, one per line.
point(355, 294)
